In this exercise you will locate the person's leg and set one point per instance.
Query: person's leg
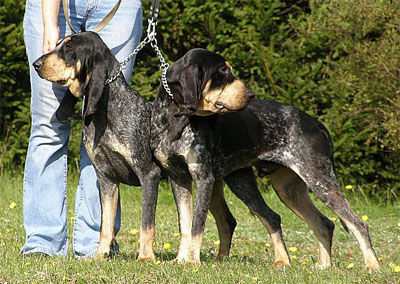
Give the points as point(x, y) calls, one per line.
point(121, 35)
point(45, 177)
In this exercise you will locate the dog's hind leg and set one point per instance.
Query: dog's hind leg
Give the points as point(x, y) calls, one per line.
point(243, 184)
point(109, 201)
point(322, 181)
point(292, 191)
point(224, 219)
point(149, 183)
point(183, 198)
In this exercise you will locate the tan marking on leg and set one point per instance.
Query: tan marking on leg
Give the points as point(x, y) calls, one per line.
point(280, 251)
point(220, 211)
point(196, 248)
point(183, 199)
point(146, 252)
point(185, 221)
point(370, 260)
point(293, 193)
point(108, 214)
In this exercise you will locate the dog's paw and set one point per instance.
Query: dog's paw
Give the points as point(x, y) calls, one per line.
point(281, 263)
point(322, 265)
point(102, 255)
point(187, 260)
point(147, 258)
point(372, 265)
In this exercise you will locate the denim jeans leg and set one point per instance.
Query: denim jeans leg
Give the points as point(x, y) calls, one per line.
point(122, 35)
point(45, 176)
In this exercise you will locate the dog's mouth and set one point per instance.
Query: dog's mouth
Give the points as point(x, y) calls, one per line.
point(223, 108)
point(62, 82)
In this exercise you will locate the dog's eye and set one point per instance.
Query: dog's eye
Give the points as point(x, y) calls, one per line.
point(223, 69)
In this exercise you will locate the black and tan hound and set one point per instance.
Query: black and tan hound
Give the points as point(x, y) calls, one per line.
point(278, 140)
point(117, 125)
point(281, 141)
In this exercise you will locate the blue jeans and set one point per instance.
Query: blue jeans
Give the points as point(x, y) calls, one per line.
point(45, 178)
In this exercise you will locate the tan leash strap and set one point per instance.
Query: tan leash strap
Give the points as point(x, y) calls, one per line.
point(103, 22)
point(66, 14)
point(107, 18)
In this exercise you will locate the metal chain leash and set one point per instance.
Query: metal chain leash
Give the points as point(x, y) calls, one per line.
point(150, 38)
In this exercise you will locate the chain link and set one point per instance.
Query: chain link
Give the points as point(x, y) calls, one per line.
point(150, 38)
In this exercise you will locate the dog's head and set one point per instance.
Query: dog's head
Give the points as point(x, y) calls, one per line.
point(203, 83)
point(81, 63)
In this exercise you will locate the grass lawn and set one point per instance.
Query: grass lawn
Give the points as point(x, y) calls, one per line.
point(251, 259)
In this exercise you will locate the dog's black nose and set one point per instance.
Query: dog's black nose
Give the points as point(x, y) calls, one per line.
point(38, 64)
point(250, 94)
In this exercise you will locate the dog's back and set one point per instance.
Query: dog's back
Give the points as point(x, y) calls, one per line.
point(265, 131)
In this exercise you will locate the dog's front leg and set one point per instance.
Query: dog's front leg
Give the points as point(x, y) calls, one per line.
point(109, 201)
point(204, 181)
point(149, 182)
point(183, 198)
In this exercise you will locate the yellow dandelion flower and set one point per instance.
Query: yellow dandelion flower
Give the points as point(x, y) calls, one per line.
point(64, 278)
point(349, 186)
point(398, 224)
point(134, 231)
point(396, 268)
point(310, 272)
point(177, 234)
point(351, 265)
point(217, 243)
point(380, 258)
point(293, 257)
point(304, 262)
point(158, 262)
point(364, 218)
point(13, 205)
point(292, 249)
point(245, 254)
point(267, 245)
point(167, 245)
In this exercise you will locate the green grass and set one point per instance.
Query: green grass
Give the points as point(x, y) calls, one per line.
point(251, 260)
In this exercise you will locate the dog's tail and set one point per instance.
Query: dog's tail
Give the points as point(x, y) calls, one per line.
point(344, 226)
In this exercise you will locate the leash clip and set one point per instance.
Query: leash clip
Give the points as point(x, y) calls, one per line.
point(151, 29)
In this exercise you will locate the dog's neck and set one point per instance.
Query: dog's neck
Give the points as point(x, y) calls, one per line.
point(165, 124)
point(114, 70)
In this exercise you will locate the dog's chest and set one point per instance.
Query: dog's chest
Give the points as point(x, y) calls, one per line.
point(109, 147)
point(175, 155)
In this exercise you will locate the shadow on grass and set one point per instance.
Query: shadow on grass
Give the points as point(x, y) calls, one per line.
point(170, 256)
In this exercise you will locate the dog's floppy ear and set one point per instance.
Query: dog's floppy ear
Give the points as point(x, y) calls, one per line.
point(95, 86)
point(191, 81)
point(66, 108)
